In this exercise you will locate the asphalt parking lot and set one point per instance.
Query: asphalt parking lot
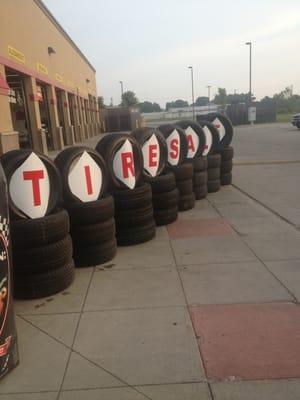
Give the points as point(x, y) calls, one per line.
point(268, 165)
point(208, 310)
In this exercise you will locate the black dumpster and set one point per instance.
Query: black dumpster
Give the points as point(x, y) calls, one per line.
point(8, 338)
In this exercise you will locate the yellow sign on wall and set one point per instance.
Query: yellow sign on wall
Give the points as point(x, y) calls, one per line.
point(42, 68)
point(58, 77)
point(16, 54)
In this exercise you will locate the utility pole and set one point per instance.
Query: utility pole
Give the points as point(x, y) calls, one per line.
point(193, 98)
point(122, 91)
point(208, 87)
point(250, 71)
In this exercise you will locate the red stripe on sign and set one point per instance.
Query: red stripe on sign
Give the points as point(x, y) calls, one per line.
point(88, 179)
point(218, 126)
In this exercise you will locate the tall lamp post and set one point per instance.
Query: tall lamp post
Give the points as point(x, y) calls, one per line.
point(250, 71)
point(193, 98)
point(208, 87)
point(122, 91)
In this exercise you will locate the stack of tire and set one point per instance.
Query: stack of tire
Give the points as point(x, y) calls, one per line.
point(132, 195)
point(225, 130)
point(90, 208)
point(41, 244)
point(164, 192)
point(226, 165)
point(197, 145)
point(177, 146)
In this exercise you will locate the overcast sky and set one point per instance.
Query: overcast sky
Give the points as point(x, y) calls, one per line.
point(150, 44)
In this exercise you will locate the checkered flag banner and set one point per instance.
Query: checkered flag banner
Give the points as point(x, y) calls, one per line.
point(4, 229)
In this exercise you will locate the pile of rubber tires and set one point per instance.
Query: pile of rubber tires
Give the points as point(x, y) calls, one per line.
point(41, 244)
point(132, 195)
point(213, 172)
point(165, 195)
point(177, 145)
point(226, 165)
point(91, 209)
point(224, 128)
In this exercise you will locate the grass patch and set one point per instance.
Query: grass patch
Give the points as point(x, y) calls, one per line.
point(284, 117)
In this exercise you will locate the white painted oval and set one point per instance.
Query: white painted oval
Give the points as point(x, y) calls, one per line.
point(123, 165)
point(85, 178)
point(31, 195)
point(208, 140)
point(193, 141)
point(151, 155)
point(221, 129)
point(173, 144)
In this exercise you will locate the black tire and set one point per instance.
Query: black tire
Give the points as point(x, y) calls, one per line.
point(200, 192)
point(215, 137)
point(200, 164)
point(108, 146)
point(13, 160)
point(200, 178)
point(166, 217)
point(213, 161)
point(226, 179)
point(136, 217)
point(213, 186)
point(226, 167)
point(65, 161)
point(44, 284)
point(165, 200)
point(185, 187)
point(199, 132)
point(93, 212)
point(88, 235)
point(226, 154)
point(167, 130)
point(135, 236)
point(89, 256)
point(45, 258)
point(163, 183)
point(183, 171)
point(142, 135)
point(40, 231)
point(186, 202)
point(225, 121)
point(139, 197)
point(213, 174)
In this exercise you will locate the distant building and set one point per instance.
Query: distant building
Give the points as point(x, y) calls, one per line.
point(48, 96)
point(175, 114)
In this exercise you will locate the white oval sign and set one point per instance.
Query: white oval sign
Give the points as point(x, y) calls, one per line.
point(221, 129)
point(123, 164)
point(193, 142)
point(173, 143)
point(29, 187)
point(208, 137)
point(85, 178)
point(151, 155)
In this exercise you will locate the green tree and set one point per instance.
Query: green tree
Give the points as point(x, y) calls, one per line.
point(148, 107)
point(201, 101)
point(221, 97)
point(129, 99)
point(101, 102)
point(177, 104)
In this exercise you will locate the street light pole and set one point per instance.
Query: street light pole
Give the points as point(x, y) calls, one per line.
point(250, 71)
point(193, 98)
point(208, 87)
point(121, 83)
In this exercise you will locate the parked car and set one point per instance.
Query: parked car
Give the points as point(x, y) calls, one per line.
point(296, 120)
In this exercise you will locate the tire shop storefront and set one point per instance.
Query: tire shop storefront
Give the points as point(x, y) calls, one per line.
point(48, 95)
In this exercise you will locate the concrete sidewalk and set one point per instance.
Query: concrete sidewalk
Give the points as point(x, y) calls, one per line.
point(207, 310)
